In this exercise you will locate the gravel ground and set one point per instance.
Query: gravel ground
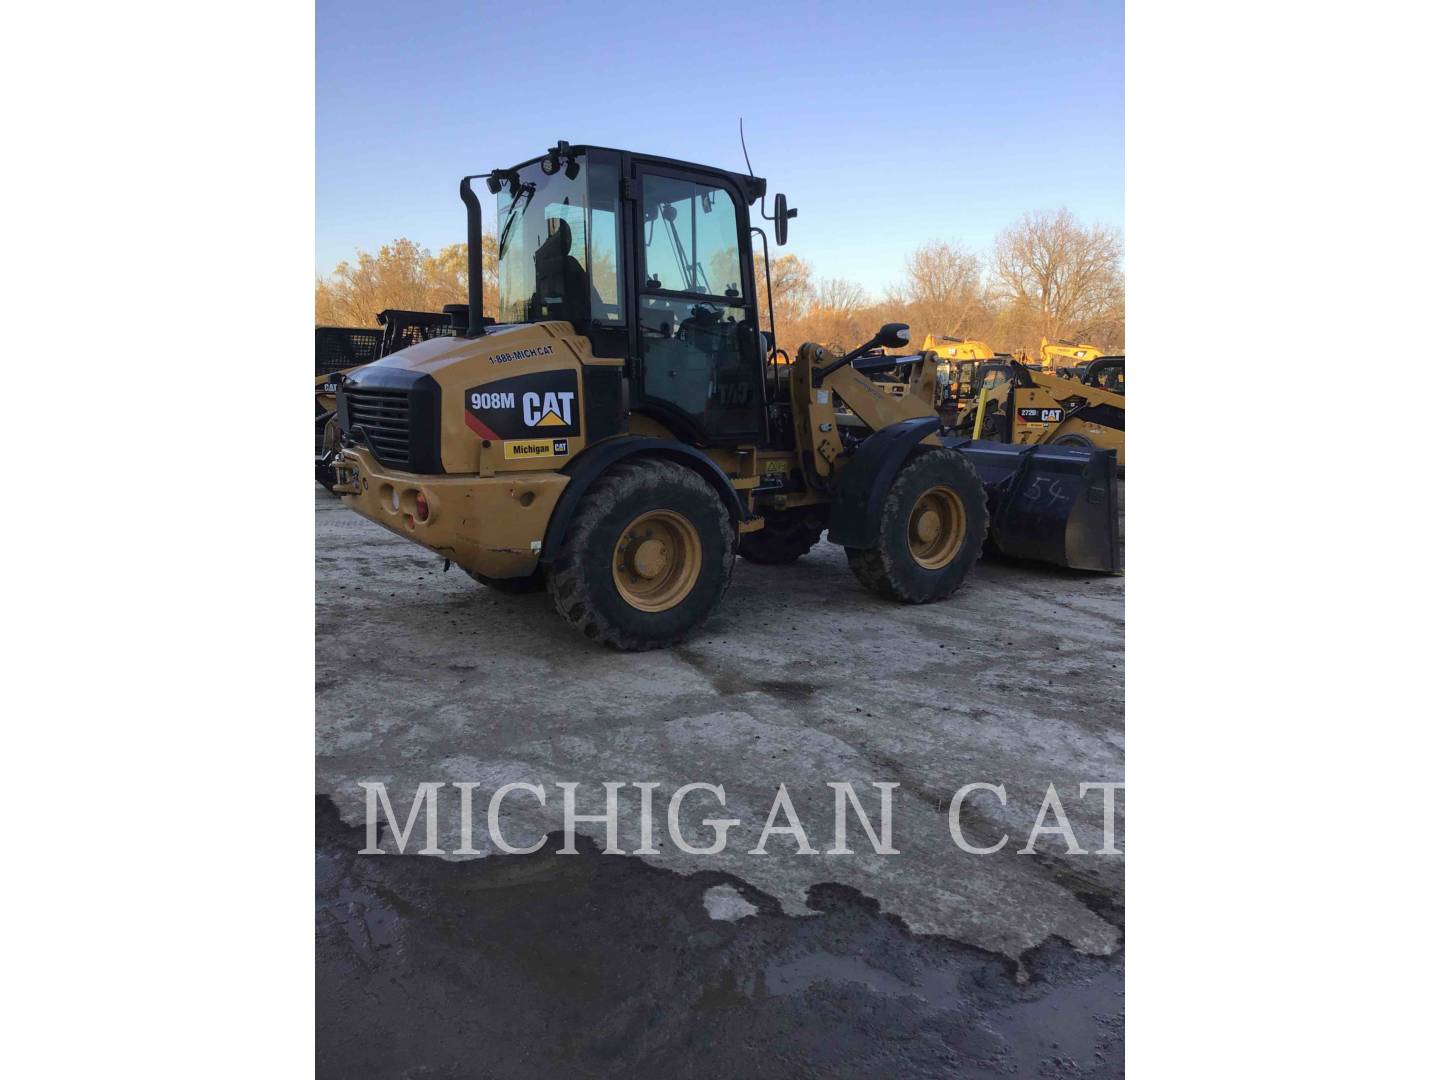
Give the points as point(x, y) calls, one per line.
point(800, 678)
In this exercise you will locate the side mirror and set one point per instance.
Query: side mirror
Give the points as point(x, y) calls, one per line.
point(783, 214)
point(895, 335)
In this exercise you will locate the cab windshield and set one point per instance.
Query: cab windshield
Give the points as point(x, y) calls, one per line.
point(558, 247)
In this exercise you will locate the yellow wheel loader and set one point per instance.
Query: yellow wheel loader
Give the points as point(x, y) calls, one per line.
point(957, 380)
point(622, 429)
point(958, 359)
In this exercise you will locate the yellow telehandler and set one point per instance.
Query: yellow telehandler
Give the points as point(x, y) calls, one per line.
point(621, 429)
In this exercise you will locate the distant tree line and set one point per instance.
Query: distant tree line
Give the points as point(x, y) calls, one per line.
point(401, 275)
point(1047, 275)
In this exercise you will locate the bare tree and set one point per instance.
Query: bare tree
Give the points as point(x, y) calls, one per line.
point(793, 292)
point(1048, 277)
point(943, 291)
point(1061, 279)
point(835, 318)
point(840, 294)
point(402, 275)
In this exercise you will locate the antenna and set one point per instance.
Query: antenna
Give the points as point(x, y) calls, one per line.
point(744, 149)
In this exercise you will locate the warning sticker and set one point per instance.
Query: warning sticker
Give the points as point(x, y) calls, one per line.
point(536, 448)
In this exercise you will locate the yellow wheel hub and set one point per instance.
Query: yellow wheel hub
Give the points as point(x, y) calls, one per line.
point(656, 561)
point(936, 528)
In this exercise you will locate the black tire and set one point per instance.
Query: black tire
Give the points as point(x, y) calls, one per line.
point(516, 586)
point(891, 568)
point(787, 535)
point(1077, 442)
point(582, 579)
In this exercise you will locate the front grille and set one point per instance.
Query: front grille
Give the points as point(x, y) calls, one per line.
point(385, 416)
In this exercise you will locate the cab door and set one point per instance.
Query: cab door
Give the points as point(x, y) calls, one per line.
point(699, 368)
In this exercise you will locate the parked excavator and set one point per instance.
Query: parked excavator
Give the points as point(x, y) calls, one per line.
point(1055, 355)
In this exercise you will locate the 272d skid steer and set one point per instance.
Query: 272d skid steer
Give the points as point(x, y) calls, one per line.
point(621, 429)
point(1018, 405)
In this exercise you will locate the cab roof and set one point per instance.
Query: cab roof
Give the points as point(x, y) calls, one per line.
point(752, 186)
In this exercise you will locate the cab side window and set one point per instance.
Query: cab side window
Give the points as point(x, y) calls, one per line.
point(700, 352)
point(690, 238)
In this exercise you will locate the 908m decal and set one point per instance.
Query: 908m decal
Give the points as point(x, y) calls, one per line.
point(545, 403)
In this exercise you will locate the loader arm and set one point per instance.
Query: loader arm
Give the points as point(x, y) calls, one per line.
point(814, 402)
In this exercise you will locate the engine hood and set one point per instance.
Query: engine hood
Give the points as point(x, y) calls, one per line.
point(501, 346)
point(518, 396)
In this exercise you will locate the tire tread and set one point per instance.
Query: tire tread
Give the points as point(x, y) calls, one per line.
point(568, 587)
point(887, 569)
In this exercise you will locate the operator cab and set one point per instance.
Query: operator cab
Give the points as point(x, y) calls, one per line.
point(651, 260)
point(1106, 373)
point(969, 377)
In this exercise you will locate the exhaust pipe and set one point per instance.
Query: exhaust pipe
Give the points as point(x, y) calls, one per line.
point(475, 257)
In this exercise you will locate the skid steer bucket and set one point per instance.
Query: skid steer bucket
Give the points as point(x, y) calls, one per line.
point(1049, 503)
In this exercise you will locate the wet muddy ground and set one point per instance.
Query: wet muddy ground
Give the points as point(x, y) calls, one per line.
point(930, 962)
point(545, 965)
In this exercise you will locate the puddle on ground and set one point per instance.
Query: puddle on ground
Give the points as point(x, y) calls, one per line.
point(594, 965)
point(724, 903)
point(937, 987)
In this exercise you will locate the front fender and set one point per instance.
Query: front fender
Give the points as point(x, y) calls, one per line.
point(866, 479)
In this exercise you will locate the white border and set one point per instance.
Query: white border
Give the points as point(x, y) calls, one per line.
point(159, 239)
point(159, 228)
point(1279, 528)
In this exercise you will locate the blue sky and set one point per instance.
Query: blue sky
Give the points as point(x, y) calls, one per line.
point(887, 125)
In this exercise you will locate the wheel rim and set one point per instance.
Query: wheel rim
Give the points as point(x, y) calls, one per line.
point(936, 527)
point(656, 561)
